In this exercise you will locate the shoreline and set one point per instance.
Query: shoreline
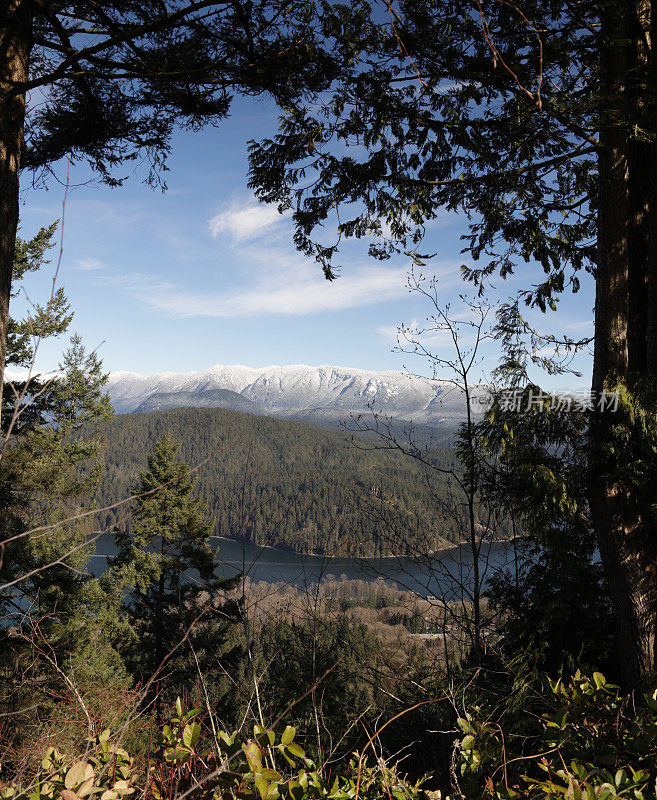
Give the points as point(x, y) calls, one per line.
point(325, 557)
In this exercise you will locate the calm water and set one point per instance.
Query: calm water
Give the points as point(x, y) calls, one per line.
point(440, 575)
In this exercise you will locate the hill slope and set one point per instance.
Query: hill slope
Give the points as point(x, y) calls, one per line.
point(208, 398)
point(287, 484)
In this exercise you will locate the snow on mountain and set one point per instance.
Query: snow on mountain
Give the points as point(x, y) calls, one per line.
point(298, 388)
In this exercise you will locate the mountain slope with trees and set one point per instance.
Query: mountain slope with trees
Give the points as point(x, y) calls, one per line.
point(280, 483)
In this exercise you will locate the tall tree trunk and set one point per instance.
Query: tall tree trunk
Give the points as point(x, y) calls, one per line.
point(624, 330)
point(642, 344)
point(15, 46)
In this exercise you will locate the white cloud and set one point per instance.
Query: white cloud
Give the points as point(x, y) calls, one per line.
point(389, 333)
point(244, 221)
point(578, 325)
point(308, 293)
point(265, 280)
point(89, 264)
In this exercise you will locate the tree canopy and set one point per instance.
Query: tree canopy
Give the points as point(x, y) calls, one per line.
point(453, 107)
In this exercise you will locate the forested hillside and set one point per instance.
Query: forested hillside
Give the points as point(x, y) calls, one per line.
point(287, 484)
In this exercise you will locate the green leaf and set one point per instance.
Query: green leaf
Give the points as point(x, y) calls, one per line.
point(86, 787)
point(253, 756)
point(288, 734)
point(191, 734)
point(262, 786)
point(599, 680)
point(263, 736)
point(296, 790)
point(287, 757)
point(464, 725)
point(179, 708)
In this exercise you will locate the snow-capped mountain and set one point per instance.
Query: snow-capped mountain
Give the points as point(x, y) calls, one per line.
point(298, 388)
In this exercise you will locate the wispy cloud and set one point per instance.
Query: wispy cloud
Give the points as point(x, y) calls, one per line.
point(578, 325)
point(389, 333)
point(89, 264)
point(243, 221)
point(308, 293)
point(267, 277)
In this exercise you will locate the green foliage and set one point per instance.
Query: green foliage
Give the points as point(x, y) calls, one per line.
point(119, 100)
point(628, 456)
point(106, 772)
point(164, 571)
point(209, 765)
point(361, 672)
point(43, 322)
point(56, 620)
point(287, 484)
point(168, 533)
point(40, 472)
point(441, 108)
point(47, 475)
point(589, 742)
point(556, 602)
point(294, 655)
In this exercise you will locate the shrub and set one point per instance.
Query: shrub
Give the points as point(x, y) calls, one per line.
point(590, 743)
point(195, 761)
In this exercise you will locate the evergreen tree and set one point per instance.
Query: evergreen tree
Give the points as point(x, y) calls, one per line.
point(48, 468)
point(538, 122)
point(48, 477)
point(165, 565)
point(57, 623)
point(554, 603)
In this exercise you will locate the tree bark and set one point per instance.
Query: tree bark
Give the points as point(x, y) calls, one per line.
point(15, 47)
point(625, 336)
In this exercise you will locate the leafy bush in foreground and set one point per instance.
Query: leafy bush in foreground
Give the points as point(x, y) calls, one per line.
point(581, 740)
point(192, 761)
point(590, 743)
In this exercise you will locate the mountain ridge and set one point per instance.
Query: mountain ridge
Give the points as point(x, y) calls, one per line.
point(297, 388)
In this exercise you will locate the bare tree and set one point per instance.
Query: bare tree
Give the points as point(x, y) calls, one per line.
point(450, 341)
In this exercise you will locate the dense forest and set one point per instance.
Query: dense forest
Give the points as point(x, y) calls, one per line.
point(286, 484)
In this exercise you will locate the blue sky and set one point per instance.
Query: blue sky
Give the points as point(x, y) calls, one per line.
point(202, 274)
